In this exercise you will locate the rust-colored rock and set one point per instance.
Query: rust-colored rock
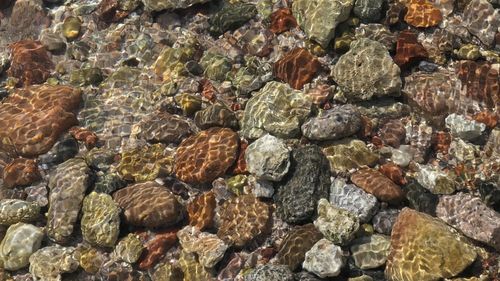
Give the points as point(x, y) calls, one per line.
point(31, 62)
point(480, 82)
point(421, 13)
point(109, 11)
point(156, 246)
point(282, 20)
point(201, 210)
point(84, 135)
point(33, 118)
point(393, 133)
point(442, 141)
point(408, 49)
point(490, 119)
point(297, 242)
point(242, 219)
point(374, 182)
point(393, 172)
point(297, 68)
point(207, 155)
point(241, 164)
point(20, 171)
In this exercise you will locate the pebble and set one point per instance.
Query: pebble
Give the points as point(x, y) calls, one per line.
point(20, 242)
point(336, 123)
point(353, 199)
point(337, 225)
point(296, 243)
point(324, 259)
point(268, 158)
point(101, 219)
point(13, 211)
point(270, 273)
point(209, 248)
point(370, 251)
point(50, 262)
point(464, 128)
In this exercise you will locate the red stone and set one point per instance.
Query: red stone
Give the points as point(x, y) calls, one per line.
point(241, 163)
point(84, 135)
point(481, 82)
point(374, 182)
point(282, 20)
point(297, 68)
point(490, 119)
point(208, 90)
point(159, 243)
point(31, 62)
point(393, 133)
point(19, 172)
point(393, 172)
point(442, 141)
point(108, 11)
point(408, 49)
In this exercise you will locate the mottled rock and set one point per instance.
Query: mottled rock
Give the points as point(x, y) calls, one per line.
point(129, 249)
point(86, 76)
point(268, 158)
point(148, 204)
point(297, 68)
point(370, 251)
point(201, 210)
point(243, 219)
point(349, 154)
point(393, 172)
point(215, 66)
point(307, 181)
point(156, 246)
point(353, 199)
point(20, 241)
point(377, 32)
point(435, 180)
point(486, 27)
point(20, 172)
point(421, 13)
point(324, 259)
point(252, 76)
point(421, 199)
point(374, 182)
point(367, 70)
point(170, 64)
point(276, 109)
point(64, 149)
point(209, 248)
point(269, 272)
point(368, 10)
point(13, 211)
point(282, 20)
point(425, 248)
point(31, 62)
point(336, 224)
point(471, 216)
point(192, 269)
point(464, 128)
point(336, 123)
point(158, 5)
point(67, 185)
point(319, 19)
point(50, 262)
point(408, 49)
point(216, 150)
point(146, 163)
point(101, 220)
point(90, 259)
point(231, 16)
point(167, 272)
point(162, 127)
point(27, 19)
point(216, 115)
point(296, 243)
point(384, 220)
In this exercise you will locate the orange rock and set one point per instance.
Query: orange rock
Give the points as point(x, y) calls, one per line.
point(421, 13)
point(31, 62)
point(442, 142)
point(393, 172)
point(156, 247)
point(297, 242)
point(393, 133)
point(20, 171)
point(366, 127)
point(408, 49)
point(282, 20)
point(488, 118)
point(109, 11)
point(208, 90)
point(297, 67)
point(480, 82)
point(241, 163)
point(320, 94)
point(374, 182)
point(84, 135)
point(201, 210)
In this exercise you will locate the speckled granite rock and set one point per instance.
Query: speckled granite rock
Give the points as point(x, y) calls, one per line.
point(50, 262)
point(336, 123)
point(307, 181)
point(101, 220)
point(14, 210)
point(276, 109)
point(425, 248)
point(324, 259)
point(209, 248)
point(348, 154)
point(367, 71)
point(368, 10)
point(270, 272)
point(158, 5)
point(268, 158)
point(129, 249)
point(319, 19)
point(20, 241)
point(67, 188)
point(353, 199)
point(485, 28)
point(471, 216)
point(337, 225)
point(370, 251)
point(464, 128)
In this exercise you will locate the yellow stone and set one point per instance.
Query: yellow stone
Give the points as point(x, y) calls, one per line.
point(71, 27)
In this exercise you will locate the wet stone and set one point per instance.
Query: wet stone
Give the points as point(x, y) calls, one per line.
point(421, 199)
point(163, 127)
point(463, 128)
point(50, 262)
point(216, 115)
point(13, 211)
point(336, 224)
point(31, 62)
point(297, 68)
point(282, 20)
point(296, 243)
point(353, 199)
point(368, 10)
point(129, 249)
point(374, 182)
point(209, 248)
point(435, 180)
point(19, 243)
point(336, 123)
point(370, 251)
point(349, 154)
point(324, 259)
point(268, 158)
point(201, 210)
point(20, 172)
point(421, 13)
point(231, 16)
point(486, 28)
point(145, 163)
point(384, 220)
point(101, 219)
point(192, 269)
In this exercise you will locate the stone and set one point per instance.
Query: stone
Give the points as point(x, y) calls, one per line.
point(421, 13)
point(464, 128)
point(471, 216)
point(252, 76)
point(209, 248)
point(420, 199)
point(419, 135)
point(67, 185)
point(333, 124)
point(31, 62)
point(146, 163)
point(189, 103)
point(109, 11)
point(276, 109)
point(27, 19)
point(370, 251)
point(377, 32)
point(90, 259)
point(408, 49)
point(324, 259)
point(112, 270)
point(201, 210)
point(162, 127)
point(320, 19)
point(167, 272)
point(269, 272)
point(34, 117)
point(71, 27)
point(231, 17)
point(296, 243)
point(282, 20)
point(384, 220)
point(268, 158)
point(348, 154)
point(490, 195)
point(307, 181)
point(216, 115)
point(435, 180)
point(64, 149)
point(19, 243)
point(192, 269)
point(486, 28)
point(368, 10)
point(129, 248)
point(425, 248)
point(215, 66)
point(13, 211)
point(297, 68)
point(50, 262)
point(353, 199)
point(393, 172)
point(216, 150)
point(148, 204)
point(20, 172)
point(101, 220)
point(367, 70)
point(336, 224)
point(84, 135)
point(374, 182)
point(243, 219)
point(170, 64)
point(156, 246)
point(155, 5)
point(86, 76)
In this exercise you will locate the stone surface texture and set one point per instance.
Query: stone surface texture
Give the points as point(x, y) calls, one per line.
point(268, 158)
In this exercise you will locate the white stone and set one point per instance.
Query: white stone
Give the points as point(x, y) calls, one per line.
point(324, 259)
point(268, 158)
point(435, 180)
point(259, 187)
point(464, 128)
point(209, 248)
point(353, 199)
point(402, 156)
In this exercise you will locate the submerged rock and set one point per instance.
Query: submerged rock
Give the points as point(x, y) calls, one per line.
point(353, 199)
point(270, 272)
point(296, 243)
point(324, 259)
point(337, 225)
point(14, 210)
point(20, 242)
point(336, 123)
point(464, 128)
point(100, 220)
point(158, 5)
point(209, 248)
point(268, 158)
point(231, 16)
point(129, 249)
point(370, 251)
point(348, 154)
point(374, 182)
point(297, 68)
point(50, 262)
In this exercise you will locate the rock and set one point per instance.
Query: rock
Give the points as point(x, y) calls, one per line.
point(108, 183)
point(374, 182)
point(209, 248)
point(50, 262)
point(162, 127)
point(34, 117)
point(420, 136)
point(269, 272)
point(307, 181)
point(27, 19)
point(276, 109)
point(490, 194)
point(201, 210)
point(421, 13)
point(282, 20)
point(129, 249)
point(377, 32)
point(336, 123)
point(20, 241)
point(86, 76)
point(472, 217)
point(64, 149)
point(170, 64)
point(353, 199)
point(215, 66)
point(319, 19)
point(84, 135)
point(13, 211)
point(464, 128)
point(261, 188)
point(20, 172)
point(408, 49)
point(216, 150)
point(393, 172)
point(71, 27)
point(370, 251)
point(31, 62)
point(367, 70)
point(90, 259)
point(268, 158)
point(167, 272)
point(421, 199)
point(368, 11)
point(148, 204)
point(52, 40)
point(112, 270)
point(337, 225)
point(192, 269)
point(156, 246)
point(463, 151)
point(297, 68)
point(485, 28)
point(435, 180)
point(67, 185)
point(252, 76)
point(243, 219)
point(189, 103)
point(425, 248)
point(101, 220)
point(146, 163)
point(296, 243)
point(158, 5)
point(324, 259)
point(348, 154)
point(216, 115)
point(231, 17)
point(384, 220)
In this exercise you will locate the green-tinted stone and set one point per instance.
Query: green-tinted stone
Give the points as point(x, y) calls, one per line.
point(349, 154)
point(129, 249)
point(215, 66)
point(170, 63)
point(188, 103)
point(230, 17)
point(14, 210)
point(71, 27)
point(145, 163)
point(101, 220)
point(236, 184)
point(468, 52)
point(86, 76)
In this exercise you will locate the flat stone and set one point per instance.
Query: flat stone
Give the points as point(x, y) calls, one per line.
point(269, 272)
point(324, 259)
point(13, 211)
point(296, 243)
point(353, 199)
point(162, 127)
point(348, 154)
point(485, 28)
point(20, 172)
point(370, 251)
point(374, 182)
point(209, 248)
point(297, 68)
point(231, 16)
point(268, 158)
point(20, 241)
point(336, 123)
point(337, 225)
point(129, 248)
point(101, 220)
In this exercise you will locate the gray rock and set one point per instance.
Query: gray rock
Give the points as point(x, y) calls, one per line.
point(158, 5)
point(368, 10)
point(370, 251)
point(268, 158)
point(270, 272)
point(20, 241)
point(435, 180)
point(14, 210)
point(324, 259)
point(482, 20)
point(464, 128)
point(50, 262)
point(353, 199)
point(336, 123)
point(336, 224)
point(384, 220)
